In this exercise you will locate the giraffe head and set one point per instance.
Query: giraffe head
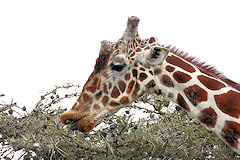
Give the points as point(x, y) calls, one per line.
point(123, 72)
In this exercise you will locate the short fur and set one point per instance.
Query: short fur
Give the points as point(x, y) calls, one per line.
point(206, 68)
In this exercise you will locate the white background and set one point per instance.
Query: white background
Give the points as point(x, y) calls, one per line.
point(47, 43)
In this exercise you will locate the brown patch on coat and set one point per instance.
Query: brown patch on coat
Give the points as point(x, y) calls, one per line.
point(122, 85)
point(157, 71)
point(152, 39)
point(109, 85)
point(231, 133)
point(124, 100)
point(170, 68)
point(105, 100)
point(127, 76)
point(229, 103)
point(208, 117)
point(142, 69)
point(142, 77)
point(96, 107)
point(171, 95)
point(130, 86)
point(196, 94)
point(115, 92)
point(105, 89)
point(98, 95)
point(150, 84)
point(210, 83)
point(86, 98)
point(138, 50)
point(114, 104)
point(91, 88)
point(181, 101)
point(134, 72)
point(136, 89)
point(180, 63)
point(181, 77)
point(166, 80)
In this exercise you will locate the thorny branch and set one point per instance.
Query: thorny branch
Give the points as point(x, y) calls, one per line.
point(39, 133)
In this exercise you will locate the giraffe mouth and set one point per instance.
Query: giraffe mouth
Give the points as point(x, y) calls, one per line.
point(73, 124)
point(85, 124)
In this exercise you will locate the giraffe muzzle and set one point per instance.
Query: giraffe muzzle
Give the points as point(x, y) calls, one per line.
point(73, 125)
point(80, 122)
point(85, 124)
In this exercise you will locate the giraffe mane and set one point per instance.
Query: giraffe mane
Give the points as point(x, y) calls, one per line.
point(203, 66)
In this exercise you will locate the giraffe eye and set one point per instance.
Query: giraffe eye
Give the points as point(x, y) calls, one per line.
point(118, 66)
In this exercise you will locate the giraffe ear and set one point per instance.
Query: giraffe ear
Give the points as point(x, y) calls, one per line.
point(156, 55)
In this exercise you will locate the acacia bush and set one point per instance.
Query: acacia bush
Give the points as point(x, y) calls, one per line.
point(38, 134)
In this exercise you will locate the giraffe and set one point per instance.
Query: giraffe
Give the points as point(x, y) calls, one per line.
point(132, 66)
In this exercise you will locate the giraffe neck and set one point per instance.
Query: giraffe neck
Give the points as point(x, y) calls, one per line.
point(209, 99)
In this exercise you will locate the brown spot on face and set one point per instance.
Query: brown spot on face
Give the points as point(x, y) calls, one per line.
point(95, 81)
point(180, 63)
point(231, 133)
point(130, 52)
point(105, 89)
point(195, 94)
point(142, 69)
point(229, 103)
point(136, 89)
point(115, 92)
point(170, 68)
point(139, 50)
point(124, 100)
point(181, 77)
point(157, 71)
point(122, 85)
point(147, 48)
point(130, 86)
point(133, 54)
point(150, 84)
point(151, 72)
point(170, 94)
point(98, 95)
point(86, 98)
point(166, 80)
point(96, 107)
point(109, 85)
point(208, 117)
point(142, 77)
point(114, 104)
point(135, 65)
point(210, 83)
point(105, 100)
point(181, 101)
point(134, 72)
point(152, 39)
point(91, 88)
point(127, 76)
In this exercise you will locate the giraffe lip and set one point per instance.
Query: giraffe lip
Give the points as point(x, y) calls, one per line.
point(73, 125)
